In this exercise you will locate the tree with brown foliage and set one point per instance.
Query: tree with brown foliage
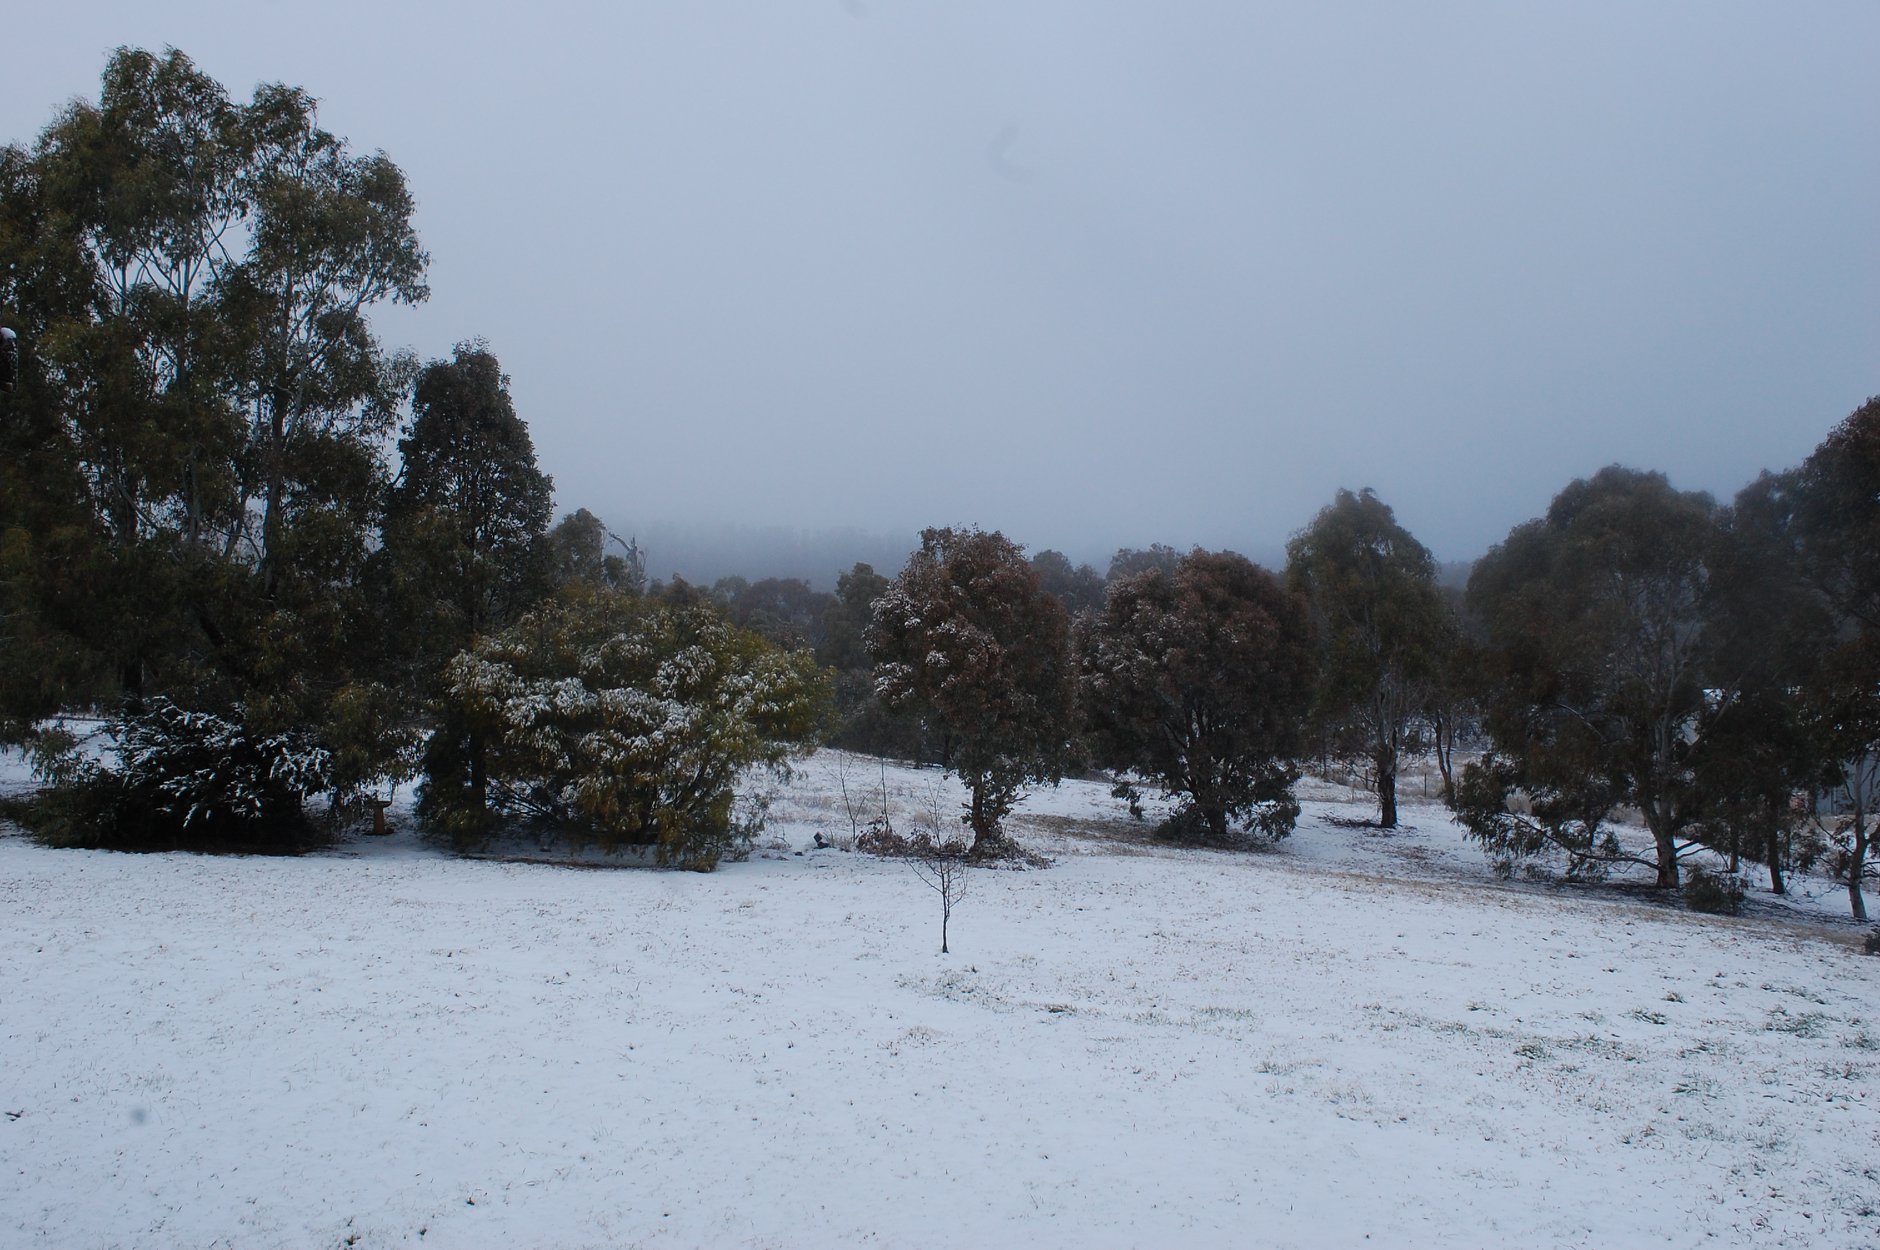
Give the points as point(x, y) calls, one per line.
point(1199, 679)
point(967, 639)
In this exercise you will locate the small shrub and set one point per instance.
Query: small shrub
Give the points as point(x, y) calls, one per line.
point(1188, 825)
point(1872, 944)
point(878, 837)
point(1717, 893)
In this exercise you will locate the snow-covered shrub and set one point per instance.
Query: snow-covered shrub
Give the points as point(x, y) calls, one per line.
point(626, 722)
point(1719, 893)
point(186, 778)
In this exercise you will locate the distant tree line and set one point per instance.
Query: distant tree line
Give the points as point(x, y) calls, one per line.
point(286, 563)
point(1712, 671)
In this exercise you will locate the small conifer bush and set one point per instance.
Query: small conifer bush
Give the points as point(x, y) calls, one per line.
point(185, 779)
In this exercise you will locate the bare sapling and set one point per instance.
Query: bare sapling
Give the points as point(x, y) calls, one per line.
point(885, 822)
point(848, 803)
point(939, 861)
point(941, 866)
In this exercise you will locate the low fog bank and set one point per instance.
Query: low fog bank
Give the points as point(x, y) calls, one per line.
point(702, 554)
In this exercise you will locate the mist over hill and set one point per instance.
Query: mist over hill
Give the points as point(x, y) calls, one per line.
point(703, 553)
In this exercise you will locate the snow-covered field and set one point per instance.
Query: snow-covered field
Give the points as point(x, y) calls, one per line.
point(1352, 1039)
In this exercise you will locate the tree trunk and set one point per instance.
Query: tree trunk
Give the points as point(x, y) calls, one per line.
point(1445, 736)
point(1857, 866)
point(273, 501)
point(1386, 789)
point(1665, 842)
point(1772, 850)
point(131, 680)
point(985, 827)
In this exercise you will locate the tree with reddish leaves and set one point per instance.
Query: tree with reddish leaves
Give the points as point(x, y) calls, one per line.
point(1198, 679)
point(967, 639)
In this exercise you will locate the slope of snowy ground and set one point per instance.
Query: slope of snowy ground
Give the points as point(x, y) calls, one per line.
point(1350, 1037)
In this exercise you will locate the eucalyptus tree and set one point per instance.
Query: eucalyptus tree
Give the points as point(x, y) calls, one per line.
point(1382, 627)
point(862, 720)
point(577, 552)
point(1765, 634)
point(1129, 561)
point(195, 274)
point(146, 188)
point(1838, 531)
point(1595, 616)
point(1077, 586)
point(122, 221)
point(330, 237)
point(204, 399)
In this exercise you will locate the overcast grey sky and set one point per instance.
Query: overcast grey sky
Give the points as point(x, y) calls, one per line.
point(1103, 273)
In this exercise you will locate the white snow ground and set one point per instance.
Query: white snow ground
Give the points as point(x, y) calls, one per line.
point(1351, 1039)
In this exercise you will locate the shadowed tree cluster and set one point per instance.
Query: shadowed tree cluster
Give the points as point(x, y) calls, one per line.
point(1712, 668)
point(207, 534)
point(202, 532)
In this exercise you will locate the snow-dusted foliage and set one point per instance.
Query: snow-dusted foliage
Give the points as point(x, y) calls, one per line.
point(1197, 680)
point(967, 639)
point(185, 777)
point(629, 722)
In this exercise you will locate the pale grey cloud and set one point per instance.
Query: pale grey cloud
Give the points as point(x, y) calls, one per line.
point(1106, 273)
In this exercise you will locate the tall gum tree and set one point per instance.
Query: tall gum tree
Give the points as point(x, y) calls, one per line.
point(331, 236)
point(136, 211)
point(1838, 528)
point(1381, 626)
point(196, 280)
point(1595, 617)
point(1764, 635)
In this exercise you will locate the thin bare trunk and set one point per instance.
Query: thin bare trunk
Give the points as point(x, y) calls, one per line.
point(1857, 858)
